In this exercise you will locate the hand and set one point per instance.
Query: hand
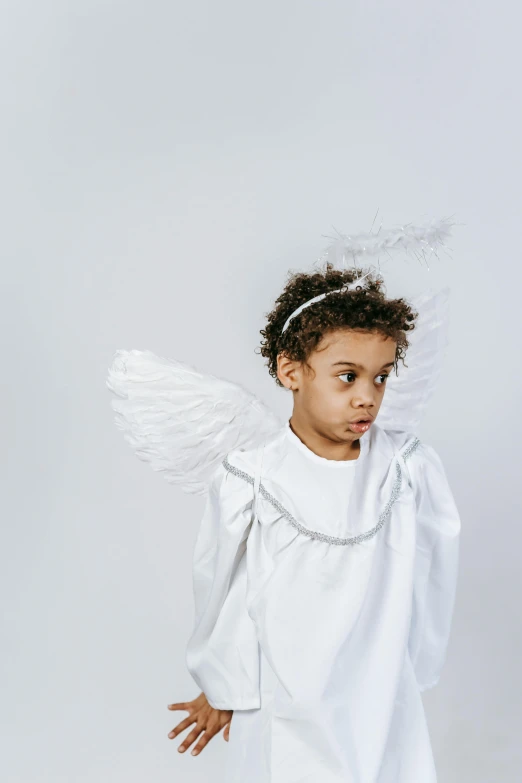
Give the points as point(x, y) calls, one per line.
point(207, 720)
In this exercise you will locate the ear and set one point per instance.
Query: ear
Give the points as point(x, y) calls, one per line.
point(288, 372)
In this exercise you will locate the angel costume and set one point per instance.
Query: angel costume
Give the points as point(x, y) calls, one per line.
point(324, 589)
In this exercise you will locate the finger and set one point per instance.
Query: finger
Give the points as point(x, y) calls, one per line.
point(180, 705)
point(181, 727)
point(203, 740)
point(226, 732)
point(192, 737)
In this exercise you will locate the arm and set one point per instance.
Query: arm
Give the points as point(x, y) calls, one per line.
point(222, 653)
point(436, 566)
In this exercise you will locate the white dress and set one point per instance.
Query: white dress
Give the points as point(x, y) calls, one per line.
point(321, 644)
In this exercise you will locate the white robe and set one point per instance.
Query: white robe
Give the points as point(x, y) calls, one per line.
point(322, 647)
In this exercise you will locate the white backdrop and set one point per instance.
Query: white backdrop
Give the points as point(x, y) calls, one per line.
point(163, 165)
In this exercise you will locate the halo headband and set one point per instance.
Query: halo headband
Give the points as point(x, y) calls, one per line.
point(348, 287)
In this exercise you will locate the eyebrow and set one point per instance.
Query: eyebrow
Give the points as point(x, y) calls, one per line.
point(359, 366)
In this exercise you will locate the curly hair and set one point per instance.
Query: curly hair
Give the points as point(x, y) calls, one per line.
point(364, 309)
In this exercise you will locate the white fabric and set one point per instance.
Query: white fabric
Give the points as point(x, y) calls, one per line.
point(322, 649)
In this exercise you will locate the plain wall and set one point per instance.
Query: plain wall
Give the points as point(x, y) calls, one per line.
point(164, 165)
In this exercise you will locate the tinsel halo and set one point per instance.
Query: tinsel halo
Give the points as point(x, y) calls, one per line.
point(420, 240)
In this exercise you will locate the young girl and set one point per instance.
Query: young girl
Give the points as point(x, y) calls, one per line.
point(325, 567)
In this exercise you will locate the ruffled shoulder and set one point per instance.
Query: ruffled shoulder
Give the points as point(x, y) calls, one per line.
point(434, 498)
point(398, 440)
point(244, 459)
point(426, 460)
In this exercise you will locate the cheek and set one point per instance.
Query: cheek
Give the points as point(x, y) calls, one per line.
point(337, 395)
point(327, 394)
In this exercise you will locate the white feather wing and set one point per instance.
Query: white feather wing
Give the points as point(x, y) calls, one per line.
point(181, 421)
point(408, 393)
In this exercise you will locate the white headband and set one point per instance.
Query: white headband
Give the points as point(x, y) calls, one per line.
point(348, 287)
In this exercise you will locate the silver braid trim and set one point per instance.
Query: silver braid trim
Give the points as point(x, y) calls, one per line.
point(383, 517)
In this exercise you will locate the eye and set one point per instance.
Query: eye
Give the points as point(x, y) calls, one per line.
point(381, 375)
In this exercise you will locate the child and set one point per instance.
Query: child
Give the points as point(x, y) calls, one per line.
point(326, 563)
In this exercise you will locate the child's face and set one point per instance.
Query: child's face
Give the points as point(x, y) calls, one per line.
point(330, 395)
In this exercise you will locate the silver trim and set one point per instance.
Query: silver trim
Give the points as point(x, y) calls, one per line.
point(323, 536)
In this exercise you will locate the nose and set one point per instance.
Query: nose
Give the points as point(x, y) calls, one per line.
point(364, 397)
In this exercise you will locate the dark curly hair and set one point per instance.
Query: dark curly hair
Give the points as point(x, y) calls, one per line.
point(365, 309)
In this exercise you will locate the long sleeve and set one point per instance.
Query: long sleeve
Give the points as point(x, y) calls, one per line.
point(436, 566)
point(222, 654)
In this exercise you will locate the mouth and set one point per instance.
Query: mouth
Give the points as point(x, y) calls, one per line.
point(362, 425)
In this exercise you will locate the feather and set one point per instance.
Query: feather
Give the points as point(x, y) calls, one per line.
point(181, 421)
point(408, 393)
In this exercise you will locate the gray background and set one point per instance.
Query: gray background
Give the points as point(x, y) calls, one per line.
point(163, 165)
